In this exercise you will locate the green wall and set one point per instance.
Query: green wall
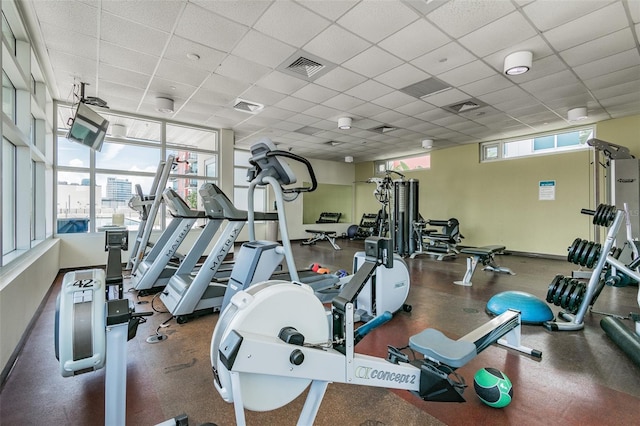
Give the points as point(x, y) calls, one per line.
point(498, 203)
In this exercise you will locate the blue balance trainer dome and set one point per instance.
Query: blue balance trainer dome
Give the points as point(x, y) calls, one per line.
point(532, 309)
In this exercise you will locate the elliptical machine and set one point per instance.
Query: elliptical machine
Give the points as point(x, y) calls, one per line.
point(387, 290)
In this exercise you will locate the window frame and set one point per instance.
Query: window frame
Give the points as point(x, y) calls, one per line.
point(484, 147)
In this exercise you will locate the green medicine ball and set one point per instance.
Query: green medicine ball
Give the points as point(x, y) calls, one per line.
point(493, 387)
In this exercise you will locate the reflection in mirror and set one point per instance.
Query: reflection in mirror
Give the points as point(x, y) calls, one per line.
point(328, 198)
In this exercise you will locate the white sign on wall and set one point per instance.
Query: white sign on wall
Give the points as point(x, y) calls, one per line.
point(547, 190)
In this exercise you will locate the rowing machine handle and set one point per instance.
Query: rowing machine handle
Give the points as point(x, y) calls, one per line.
point(365, 329)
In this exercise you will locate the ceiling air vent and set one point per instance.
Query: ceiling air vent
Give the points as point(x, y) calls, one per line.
point(383, 129)
point(308, 130)
point(306, 66)
point(468, 105)
point(248, 107)
point(427, 87)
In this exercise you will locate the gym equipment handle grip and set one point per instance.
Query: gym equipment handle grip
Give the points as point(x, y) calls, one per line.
point(588, 211)
point(365, 329)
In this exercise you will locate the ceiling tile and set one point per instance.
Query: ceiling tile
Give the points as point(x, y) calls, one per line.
point(211, 97)
point(175, 71)
point(178, 49)
point(393, 100)
point(263, 49)
point(314, 93)
point(617, 62)
point(323, 112)
point(294, 104)
point(599, 48)
point(402, 76)
point(277, 113)
point(375, 20)
point(367, 109)
point(336, 45)
point(291, 23)
point(486, 85)
point(281, 82)
point(614, 78)
point(204, 27)
point(563, 12)
point(340, 79)
point(262, 95)
point(607, 20)
point(550, 82)
point(467, 73)
point(121, 57)
point(369, 90)
point(83, 69)
point(414, 108)
point(504, 32)
point(503, 95)
point(132, 79)
point(245, 12)
point(343, 102)
point(68, 40)
point(131, 35)
point(617, 90)
point(84, 16)
point(331, 10)
point(460, 17)
point(447, 57)
point(242, 69)
point(372, 62)
point(226, 85)
point(415, 40)
point(169, 88)
point(159, 15)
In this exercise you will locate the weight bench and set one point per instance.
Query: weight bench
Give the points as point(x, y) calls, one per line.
point(484, 255)
point(321, 235)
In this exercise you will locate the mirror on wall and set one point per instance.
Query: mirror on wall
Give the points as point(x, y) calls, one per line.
point(328, 198)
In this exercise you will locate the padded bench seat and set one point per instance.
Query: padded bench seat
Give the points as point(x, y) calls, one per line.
point(319, 235)
point(484, 255)
point(435, 345)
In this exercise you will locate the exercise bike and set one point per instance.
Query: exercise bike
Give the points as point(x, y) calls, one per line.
point(275, 339)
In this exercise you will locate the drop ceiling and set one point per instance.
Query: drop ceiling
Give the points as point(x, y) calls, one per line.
point(369, 60)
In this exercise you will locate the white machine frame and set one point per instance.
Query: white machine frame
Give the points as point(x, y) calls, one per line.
point(262, 357)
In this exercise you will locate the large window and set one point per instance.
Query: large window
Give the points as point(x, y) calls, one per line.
point(93, 186)
point(547, 143)
point(8, 197)
point(404, 164)
point(8, 97)
point(241, 167)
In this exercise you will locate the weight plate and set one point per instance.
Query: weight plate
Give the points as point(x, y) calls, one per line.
point(611, 215)
point(576, 298)
point(558, 293)
point(553, 287)
point(578, 253)
point(596, 216)
point(594, 255)
point(564, 299)
point(572, 249)
point(582, 260)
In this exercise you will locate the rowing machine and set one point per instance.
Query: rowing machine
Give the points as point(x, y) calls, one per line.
point(275, 339)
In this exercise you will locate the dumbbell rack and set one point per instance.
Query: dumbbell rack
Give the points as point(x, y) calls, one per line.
point(573, 295)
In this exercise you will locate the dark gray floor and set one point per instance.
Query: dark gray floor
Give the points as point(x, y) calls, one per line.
point(582, 378)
